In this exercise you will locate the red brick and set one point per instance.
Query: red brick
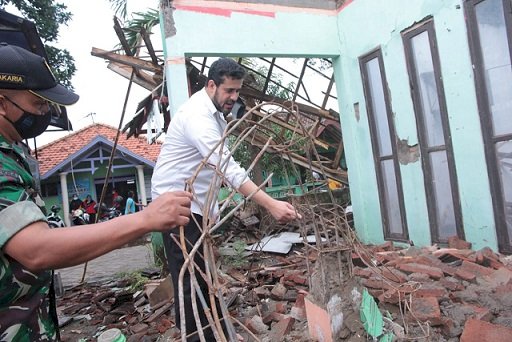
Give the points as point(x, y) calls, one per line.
point(386, 246)
point(426, 309)
point(281, 329)
point(429, 260)
point(465, 275)
point(393, 274)
point(256, 325)
point(480, 331)
point(418, 277)
point(319, 322)
point(490, 259)
point(433, 272)
point(480, 313)
point(299, 303)
point(361, 260)
point(139, 328)
point(478, 270)
point(376, 283)
point(489, 254)
point(362, 272)
point(449, 328)
point(385, 257)
point(452, 254)
point(499, 277)
point(393, 296)
point(451, 285)
point(504, 290)
point(431, 290)
point(375, 292)
point(455, 242)
point(281, 307)
point(447, 269)
point(273, 317)
point(278, 291)
point(295, 277)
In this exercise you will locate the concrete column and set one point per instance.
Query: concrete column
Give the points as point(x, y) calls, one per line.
point(142, 184)
point(65, 197)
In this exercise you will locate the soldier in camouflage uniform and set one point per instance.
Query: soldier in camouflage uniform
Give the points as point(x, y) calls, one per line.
point(29, 249)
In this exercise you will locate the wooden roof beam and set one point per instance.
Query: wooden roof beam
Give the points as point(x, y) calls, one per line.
point(126, 60)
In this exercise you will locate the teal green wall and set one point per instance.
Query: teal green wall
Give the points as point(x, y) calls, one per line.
point(286, 34)
point(366, 25)
point(359, 28)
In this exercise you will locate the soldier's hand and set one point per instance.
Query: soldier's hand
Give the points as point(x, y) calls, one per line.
point(169, 210)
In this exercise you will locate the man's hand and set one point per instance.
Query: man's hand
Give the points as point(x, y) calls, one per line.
point(169, 210)
point(283, 211)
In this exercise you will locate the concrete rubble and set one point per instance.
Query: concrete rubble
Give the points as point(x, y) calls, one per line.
point(431, 293)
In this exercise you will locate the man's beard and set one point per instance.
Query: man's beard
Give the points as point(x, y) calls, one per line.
point(218, 105)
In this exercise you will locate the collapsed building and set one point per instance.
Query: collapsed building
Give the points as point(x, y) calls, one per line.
point(415, 84)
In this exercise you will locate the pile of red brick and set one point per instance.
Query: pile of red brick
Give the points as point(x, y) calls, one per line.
point(458, 291)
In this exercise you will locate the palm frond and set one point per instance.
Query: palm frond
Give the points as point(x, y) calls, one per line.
point(141, 20)
point(120, 7)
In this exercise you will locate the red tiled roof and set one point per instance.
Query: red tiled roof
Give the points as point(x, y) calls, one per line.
point(57, 151)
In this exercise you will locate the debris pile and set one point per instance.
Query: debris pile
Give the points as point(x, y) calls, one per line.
point(440, 293)
point(85, 311)
point(430, 293)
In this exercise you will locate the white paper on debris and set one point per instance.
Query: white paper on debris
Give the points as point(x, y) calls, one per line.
point(280, 243)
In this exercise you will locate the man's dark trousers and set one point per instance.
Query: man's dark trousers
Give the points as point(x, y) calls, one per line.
point(175, 260)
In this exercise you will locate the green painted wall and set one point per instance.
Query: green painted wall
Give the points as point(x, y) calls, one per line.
point(203, 34)
point(359, 28)
point(366, 25)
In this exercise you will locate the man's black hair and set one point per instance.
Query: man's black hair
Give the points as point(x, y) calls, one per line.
point(225, 67)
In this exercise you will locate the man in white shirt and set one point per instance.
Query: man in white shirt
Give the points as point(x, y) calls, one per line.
point(194, 131)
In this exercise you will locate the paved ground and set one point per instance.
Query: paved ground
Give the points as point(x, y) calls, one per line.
point(121, 260)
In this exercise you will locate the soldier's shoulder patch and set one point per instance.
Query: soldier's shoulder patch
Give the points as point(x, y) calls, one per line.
point(8, 176)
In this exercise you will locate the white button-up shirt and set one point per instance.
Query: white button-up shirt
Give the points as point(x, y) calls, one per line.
point(193, 132)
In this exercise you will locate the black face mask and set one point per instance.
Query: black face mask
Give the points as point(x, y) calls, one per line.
point(30, 125)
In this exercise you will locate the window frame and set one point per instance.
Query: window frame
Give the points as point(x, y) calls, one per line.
point(489, 138)
point(377, 158)
point(427, 25)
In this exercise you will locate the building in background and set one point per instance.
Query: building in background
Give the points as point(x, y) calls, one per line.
point(78, 163)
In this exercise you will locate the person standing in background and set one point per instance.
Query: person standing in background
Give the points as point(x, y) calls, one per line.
point(89, 205)
point(130, 204)
point(75, 203)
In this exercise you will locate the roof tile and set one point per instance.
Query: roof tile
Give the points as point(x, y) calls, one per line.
point(57, 151)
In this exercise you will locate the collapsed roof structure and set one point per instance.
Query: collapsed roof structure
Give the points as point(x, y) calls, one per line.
point(263, 84)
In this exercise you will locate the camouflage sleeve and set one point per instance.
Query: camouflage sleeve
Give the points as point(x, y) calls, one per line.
point(17, 216)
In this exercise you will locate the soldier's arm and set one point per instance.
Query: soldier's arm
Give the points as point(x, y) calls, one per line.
point(38, 247)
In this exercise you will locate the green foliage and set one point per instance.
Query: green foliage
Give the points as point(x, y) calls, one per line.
point(135, 279)
point(120, 7)
point(63, 65)
point(270, 162)
point(238, 259)
point(133, 27)
point(48, 16)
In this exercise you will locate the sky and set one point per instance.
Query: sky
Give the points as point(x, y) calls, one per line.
point(101, 90)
